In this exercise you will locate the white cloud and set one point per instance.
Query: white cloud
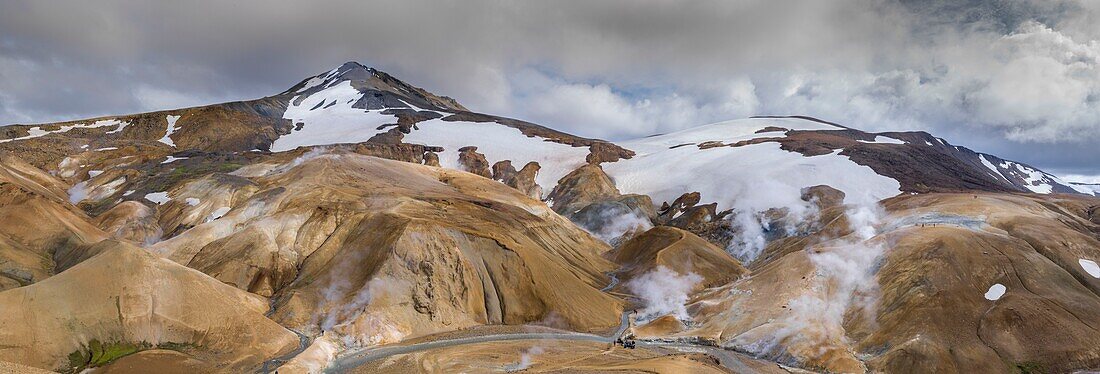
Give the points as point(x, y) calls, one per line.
point(989, 73)
point(1042, 87)
point(598, 110)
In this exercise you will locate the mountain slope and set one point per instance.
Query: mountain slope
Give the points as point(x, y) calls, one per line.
point(916, 291)
point(360, 210)
point(42, 233)
point(347, 243)
point(356, 104)
point(125, 297)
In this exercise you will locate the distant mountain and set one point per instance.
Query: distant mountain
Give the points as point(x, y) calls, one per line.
point(354, 104)
point(303, 230)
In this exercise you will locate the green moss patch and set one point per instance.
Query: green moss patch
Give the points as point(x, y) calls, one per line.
point(97, 354)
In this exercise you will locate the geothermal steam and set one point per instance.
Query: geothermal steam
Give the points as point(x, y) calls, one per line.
point(525, 359)
point(345, 308)
point(751, 228)
point(844, 280)
point(614, 225)
point(664, 292)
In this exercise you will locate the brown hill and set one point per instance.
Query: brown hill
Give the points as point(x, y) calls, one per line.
point(125, 299)
point(380, 250)
point(933, 305)
point(40, 232)
point(677, 250)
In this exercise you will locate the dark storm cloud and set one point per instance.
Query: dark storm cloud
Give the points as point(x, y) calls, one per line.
point(994, 75)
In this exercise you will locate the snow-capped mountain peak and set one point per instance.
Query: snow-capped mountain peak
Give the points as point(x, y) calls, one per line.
point(375, 83)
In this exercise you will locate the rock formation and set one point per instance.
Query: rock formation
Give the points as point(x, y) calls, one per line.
point(473, 162)
point(588, 197)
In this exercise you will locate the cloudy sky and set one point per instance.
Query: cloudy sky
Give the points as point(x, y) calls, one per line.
point(1020, 79)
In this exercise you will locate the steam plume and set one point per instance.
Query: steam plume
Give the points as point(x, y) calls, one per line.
point(664, 292)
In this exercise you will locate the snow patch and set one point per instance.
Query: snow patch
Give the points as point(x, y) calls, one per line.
point(995, 292)
point(218, 213)
point(327, 117)
point(1090, 267)
point(991, 166)
point(1087, 189)
point(167, 139)
point(1034, 180)
point(192, 201)
point(312, 82)
point(78, 192)
point(37, 131)
point(158, 197)
point(726, 132)
point(753, 177)
point(94, 173)
point(121, 125)
point(172, 159)
point(879, 139)
point(498, 142)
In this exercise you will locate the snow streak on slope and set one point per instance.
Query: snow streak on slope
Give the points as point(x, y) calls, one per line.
point(318, 80)
point(327, 117)
point(996, 172)
point(1033, 179)
point(167, 139)
point(37, 131)
point(498, 143)
point(753, 177)
point(879, 139)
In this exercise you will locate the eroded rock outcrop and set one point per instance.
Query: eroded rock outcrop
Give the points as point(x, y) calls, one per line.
point(431, 159)
point(702, 220)
point(588, 197)
point(823, 196)
point(472, 161)
point(522, 180)
point(504, 172)
point(525, 180)
point(606, 152)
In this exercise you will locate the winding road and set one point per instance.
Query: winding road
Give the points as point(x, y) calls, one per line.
point(360, 357)
point(729, 359)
